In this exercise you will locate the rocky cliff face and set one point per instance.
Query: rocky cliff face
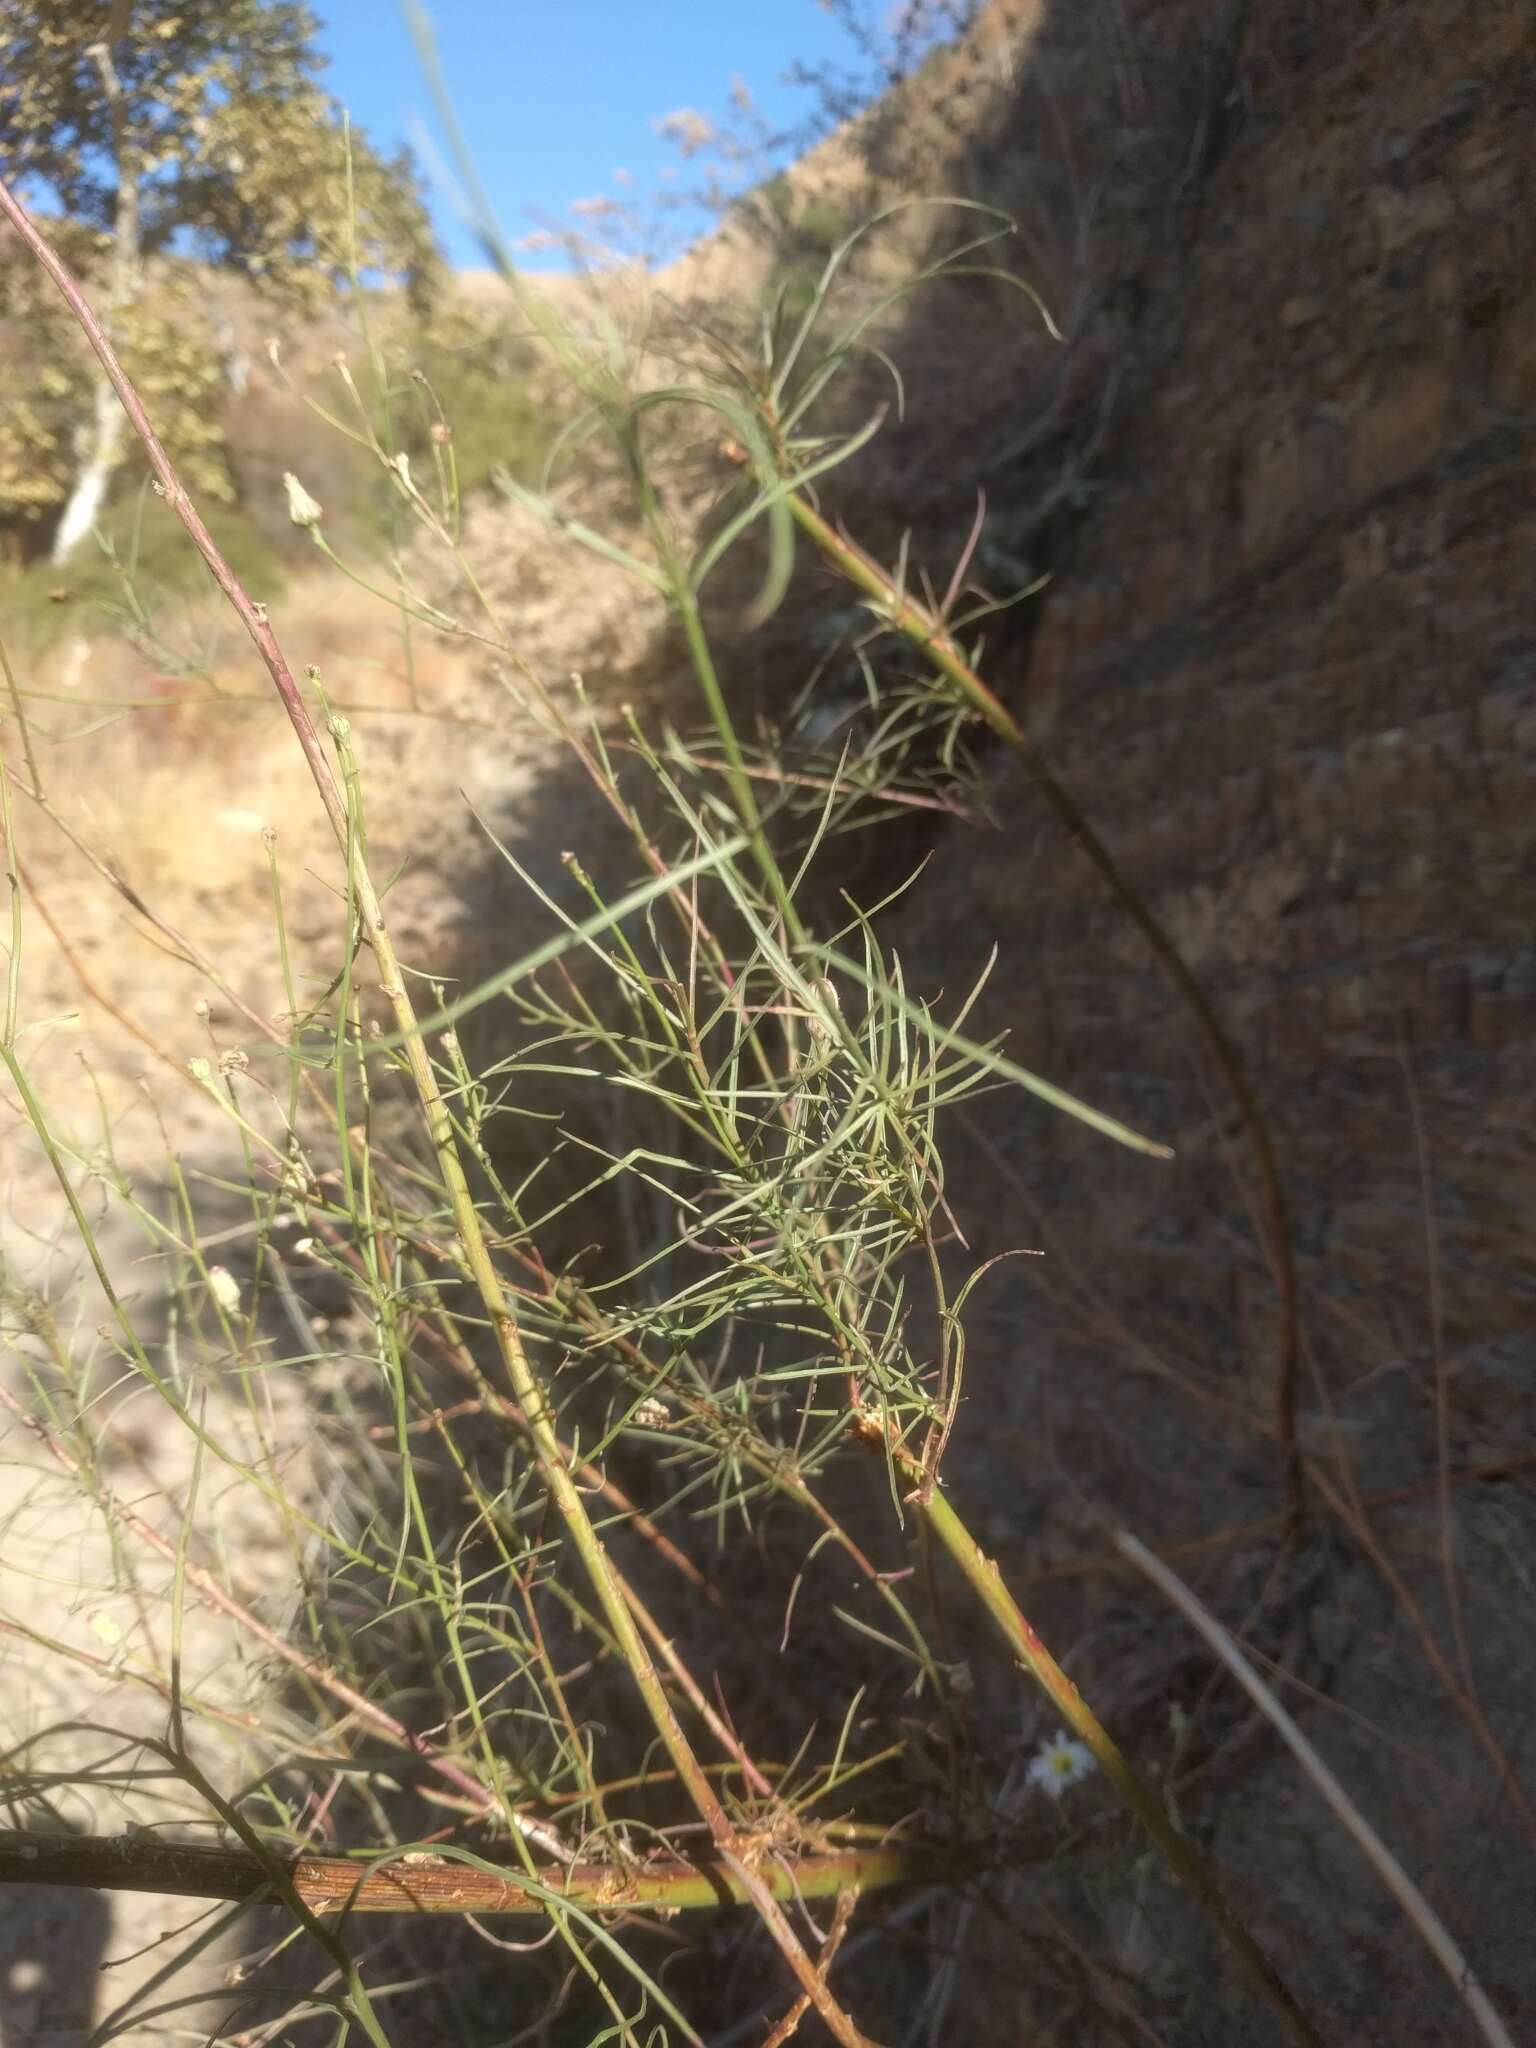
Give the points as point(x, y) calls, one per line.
point(1288, 663)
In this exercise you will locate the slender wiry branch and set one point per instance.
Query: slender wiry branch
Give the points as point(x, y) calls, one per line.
point(311, 1668)
point(908, 616)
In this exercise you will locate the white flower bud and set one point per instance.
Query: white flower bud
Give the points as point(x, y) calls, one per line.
point(302, 508)
point(224, 1288)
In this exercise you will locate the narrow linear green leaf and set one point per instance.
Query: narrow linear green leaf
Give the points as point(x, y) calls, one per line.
point(994, 1062)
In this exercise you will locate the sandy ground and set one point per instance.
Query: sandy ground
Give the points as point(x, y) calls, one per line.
point(174, 801)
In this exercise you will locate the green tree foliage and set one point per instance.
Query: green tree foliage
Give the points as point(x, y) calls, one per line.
point(47, 389)
point(164, 339)
point(165, 130)
point(235, 148)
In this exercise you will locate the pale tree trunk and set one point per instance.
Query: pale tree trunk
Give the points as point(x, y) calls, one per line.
point(102, 449)
point(102, 443)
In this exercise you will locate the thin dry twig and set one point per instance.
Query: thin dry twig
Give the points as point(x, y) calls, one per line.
point(310, 1668)
point(1392, 1874)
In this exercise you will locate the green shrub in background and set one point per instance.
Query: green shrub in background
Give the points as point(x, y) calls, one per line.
point(464, 380)
point(166, 341)
point(136, 564)
point(803, 229)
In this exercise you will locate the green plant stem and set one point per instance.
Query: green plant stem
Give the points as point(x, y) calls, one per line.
point(986, 1581)
point(525, 1382)
point(736, 773)
point(920, 625)
point(685, 603)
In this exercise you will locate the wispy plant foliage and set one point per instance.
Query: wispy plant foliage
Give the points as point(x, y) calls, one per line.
point(524, 1483)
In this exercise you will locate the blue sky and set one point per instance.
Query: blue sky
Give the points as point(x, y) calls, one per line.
point(555, 96)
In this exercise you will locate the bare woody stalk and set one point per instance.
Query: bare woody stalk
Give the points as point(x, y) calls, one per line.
point(920, 625)
point(525, 1382)
point(425, 1882)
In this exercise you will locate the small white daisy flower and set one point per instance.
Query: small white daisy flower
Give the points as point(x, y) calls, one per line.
point(1058, 1763)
